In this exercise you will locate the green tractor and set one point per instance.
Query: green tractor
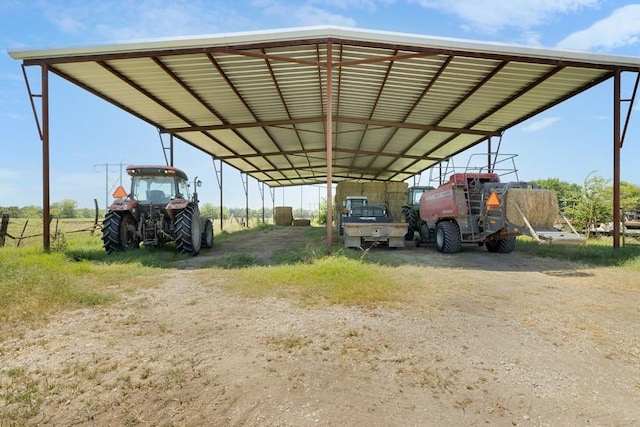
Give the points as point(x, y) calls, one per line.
point(411, 211)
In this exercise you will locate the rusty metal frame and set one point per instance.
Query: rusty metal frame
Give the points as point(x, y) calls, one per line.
point(331, 118)
point(42, 123)
point(619, 134)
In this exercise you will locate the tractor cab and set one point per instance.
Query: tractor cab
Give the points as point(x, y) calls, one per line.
point(414, 194)
point(157, 185)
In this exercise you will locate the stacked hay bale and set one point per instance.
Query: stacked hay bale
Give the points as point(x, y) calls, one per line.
point(344, 189)
point(375, 192)
point(396, 198)
point(539, 206)
point(283, 215)
point(393, 194)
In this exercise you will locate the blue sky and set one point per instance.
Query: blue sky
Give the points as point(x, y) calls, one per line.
point(567, 142)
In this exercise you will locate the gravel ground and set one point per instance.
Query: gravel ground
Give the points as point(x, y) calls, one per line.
point(486, 339)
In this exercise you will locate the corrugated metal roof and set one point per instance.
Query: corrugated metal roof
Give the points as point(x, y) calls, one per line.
point(400, 103)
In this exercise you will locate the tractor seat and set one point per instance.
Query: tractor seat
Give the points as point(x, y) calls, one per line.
point(157, 196)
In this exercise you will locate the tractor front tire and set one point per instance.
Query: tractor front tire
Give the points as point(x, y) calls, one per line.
point(188, 233)
point(501, 246)
point(207, 234)
point(448, 239)
point(119, 232)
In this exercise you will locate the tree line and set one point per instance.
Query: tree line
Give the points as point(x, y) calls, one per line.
point(68, 208)
point(592, 203)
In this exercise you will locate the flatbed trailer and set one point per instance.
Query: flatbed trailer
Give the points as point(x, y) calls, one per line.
point(367, 225)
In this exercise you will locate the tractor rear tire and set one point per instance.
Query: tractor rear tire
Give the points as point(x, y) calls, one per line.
point(207, 234)
point(411, 218)
point(448, 239)
point(188, 233)
point(118, 232)
point(501, 246)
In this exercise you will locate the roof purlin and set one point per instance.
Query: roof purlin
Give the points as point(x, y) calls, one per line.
point(496, 108)
point(342, 119)
point(152, 97)
point(358, 47)
point(419, 99)
point(241, 98)
point(467, 95)
point(284, 102)
point(375, 104)
point(89, 89)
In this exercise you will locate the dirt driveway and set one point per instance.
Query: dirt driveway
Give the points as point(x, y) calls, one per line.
point(489, 339)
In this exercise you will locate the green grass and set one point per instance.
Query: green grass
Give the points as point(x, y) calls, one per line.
point(597, 252)
point(78, 273)
point(328, 280)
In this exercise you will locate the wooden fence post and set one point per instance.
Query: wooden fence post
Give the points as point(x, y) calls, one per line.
point(4, 225)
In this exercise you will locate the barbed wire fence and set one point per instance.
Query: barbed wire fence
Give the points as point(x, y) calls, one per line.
point(21, 230)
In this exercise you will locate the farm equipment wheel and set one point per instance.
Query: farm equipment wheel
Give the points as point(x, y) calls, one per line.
point(118, 232)
point(448, 239)
point(207, 234)
point(188, 234)
point(411, 218)
point(501, 246)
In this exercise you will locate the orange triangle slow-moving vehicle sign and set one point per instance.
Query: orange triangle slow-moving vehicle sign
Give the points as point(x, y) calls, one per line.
point(493, 201)
point(120, 192)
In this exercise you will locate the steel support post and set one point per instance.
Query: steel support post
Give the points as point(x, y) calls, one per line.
point(245, 184)
point(46, 199)
point(261, 190)
point(489, 167)
point(272, 192)
point(219, 178)
point(171, 150)
point(616, 158)
point(329, 147)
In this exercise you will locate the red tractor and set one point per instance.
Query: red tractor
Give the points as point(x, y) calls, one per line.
point(157, 210)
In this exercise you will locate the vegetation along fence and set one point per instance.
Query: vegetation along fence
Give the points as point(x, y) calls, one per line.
point(24, 231)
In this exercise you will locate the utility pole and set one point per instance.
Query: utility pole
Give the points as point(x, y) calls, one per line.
point(108, 188)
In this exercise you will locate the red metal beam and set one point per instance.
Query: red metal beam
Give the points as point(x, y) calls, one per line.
point(46, 199)
point(616, 158)
point(329, 144)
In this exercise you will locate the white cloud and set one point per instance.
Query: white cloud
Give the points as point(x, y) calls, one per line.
point(369, 5)
point(619, 29)
point(15, 116)
point(302, 14)
point(126, 20)
point(493, 15)
point(11, 76)
point(540, 124)
point(9, 175)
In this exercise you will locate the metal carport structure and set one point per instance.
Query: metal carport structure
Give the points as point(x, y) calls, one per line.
point(327, 104)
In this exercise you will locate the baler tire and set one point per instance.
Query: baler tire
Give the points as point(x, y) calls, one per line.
point(448, 239)
point(501, 246)
point(207, 234)
point(188, 234)
point(118, 232)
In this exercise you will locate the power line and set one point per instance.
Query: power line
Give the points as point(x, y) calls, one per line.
point(109, 184)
